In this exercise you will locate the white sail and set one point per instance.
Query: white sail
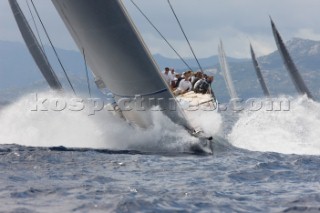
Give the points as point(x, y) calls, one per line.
point(118, 56)
point(226, 72)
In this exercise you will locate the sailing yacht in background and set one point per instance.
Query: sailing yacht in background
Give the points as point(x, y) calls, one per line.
point(288, 62)
point(34, 47)
point(259, 73)
point(226, 73)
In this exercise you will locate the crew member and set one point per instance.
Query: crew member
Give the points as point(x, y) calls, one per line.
point(167, 76)
point(184, 85)
point(204, 85)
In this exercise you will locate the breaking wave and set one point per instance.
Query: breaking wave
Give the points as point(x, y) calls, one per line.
point(293, 131)
point(21, 124)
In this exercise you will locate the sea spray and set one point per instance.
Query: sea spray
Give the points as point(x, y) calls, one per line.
point(46, 125)
point(209, 122)
point(23, 124)
point(293, 131)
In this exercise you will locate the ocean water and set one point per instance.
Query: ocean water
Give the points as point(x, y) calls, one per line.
point(64, 161)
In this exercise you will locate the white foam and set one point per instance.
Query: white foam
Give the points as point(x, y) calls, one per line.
point(19, 125)
point(209, 122)
point(290, 132)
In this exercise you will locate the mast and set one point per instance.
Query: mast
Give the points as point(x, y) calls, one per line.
point(259, 73)
point(291, 67)
point(227, 76)
point(34, 47)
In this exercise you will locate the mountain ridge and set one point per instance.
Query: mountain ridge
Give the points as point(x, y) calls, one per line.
point(24, 74)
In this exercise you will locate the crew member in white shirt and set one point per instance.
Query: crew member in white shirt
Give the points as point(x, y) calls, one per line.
point(184, 86)
point(167, 76)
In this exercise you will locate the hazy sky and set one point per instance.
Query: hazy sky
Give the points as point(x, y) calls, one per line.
point(236, 22)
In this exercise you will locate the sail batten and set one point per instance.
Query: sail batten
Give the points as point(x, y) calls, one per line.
point(259, 73)
point(34, 47)
point(290, 65)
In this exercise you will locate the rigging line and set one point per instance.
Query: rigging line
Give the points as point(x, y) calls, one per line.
point(54, 49)
point(161, 34)
point(35, 25)
point(87, 72)
point(194, 55)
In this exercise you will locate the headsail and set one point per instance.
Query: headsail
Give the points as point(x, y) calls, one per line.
point(34, 47)
point(291, 67)
point(227, 76)
point(259, 73)
point(118, 57)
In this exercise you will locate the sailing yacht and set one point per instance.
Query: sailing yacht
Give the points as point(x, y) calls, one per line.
point(34, 47)
point(227, 75)
point(118, 56)
point(120, 61)
point(259, 73)
point(294, 73)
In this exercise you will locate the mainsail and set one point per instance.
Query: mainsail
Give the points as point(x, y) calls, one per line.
point(259, 73)
point(227, 76)
point(118, 57)
point(291, 67)
point(34, 47)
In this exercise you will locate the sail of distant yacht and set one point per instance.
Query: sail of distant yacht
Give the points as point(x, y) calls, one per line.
point(291, 67)
point(34, 47)
point(226, 72)
point(259, 73)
